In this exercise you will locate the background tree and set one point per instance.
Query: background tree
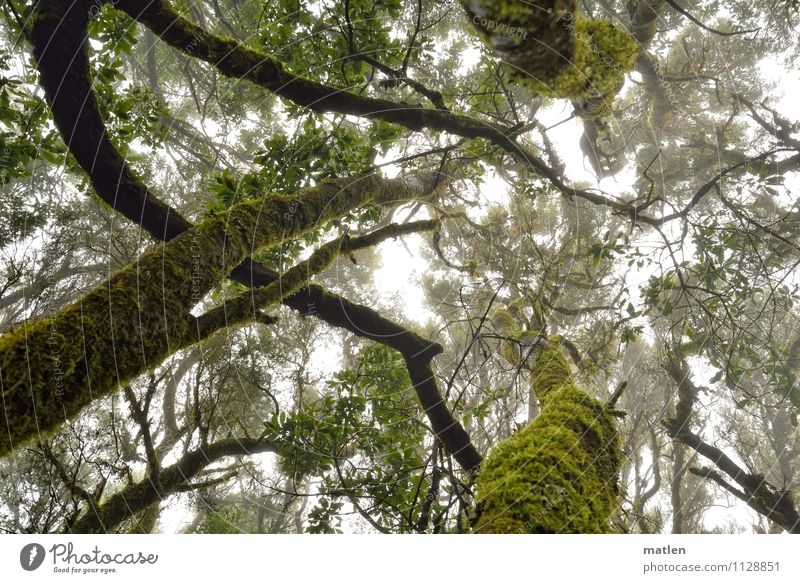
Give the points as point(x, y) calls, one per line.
point(634, 200)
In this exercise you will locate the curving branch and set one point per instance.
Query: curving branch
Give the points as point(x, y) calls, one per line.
point(137, 497)
point(776, 504)
point(63, 24)
point(681, 10)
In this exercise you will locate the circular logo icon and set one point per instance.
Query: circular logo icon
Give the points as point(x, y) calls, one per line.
point(31, 556)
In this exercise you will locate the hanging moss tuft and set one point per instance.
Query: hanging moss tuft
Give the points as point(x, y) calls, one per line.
point(603, 54)
point(555, 51)
point(559, 474)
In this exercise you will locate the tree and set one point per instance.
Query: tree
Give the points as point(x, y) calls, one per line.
point(195, 189)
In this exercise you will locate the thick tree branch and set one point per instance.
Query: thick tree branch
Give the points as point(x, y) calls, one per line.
point(535, 39)
point(66, 86)
point(643, 18)
point(59, 38)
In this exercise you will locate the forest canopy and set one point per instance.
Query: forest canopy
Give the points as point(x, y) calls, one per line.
point(399, 266)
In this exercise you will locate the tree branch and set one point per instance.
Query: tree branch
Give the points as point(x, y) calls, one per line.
point(136, 497)
point(66, 86)
point(760, 495)
point(688, 15)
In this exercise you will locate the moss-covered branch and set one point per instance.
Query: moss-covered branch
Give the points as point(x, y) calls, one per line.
point(555, 51)
point(78, 119)
point(53, 367)
point(560, 473)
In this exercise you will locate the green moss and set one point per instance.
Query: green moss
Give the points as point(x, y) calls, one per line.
point(504, 322)
point(554, 50)
point(516, 13)
point(603, 53)
point(558, 474)
point(53, 367)
point(551, 371)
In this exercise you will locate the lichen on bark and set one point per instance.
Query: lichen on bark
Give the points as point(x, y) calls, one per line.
point(560, 473)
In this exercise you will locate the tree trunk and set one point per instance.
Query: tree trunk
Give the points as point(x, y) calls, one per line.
point(678, 470)
point(560, 473)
